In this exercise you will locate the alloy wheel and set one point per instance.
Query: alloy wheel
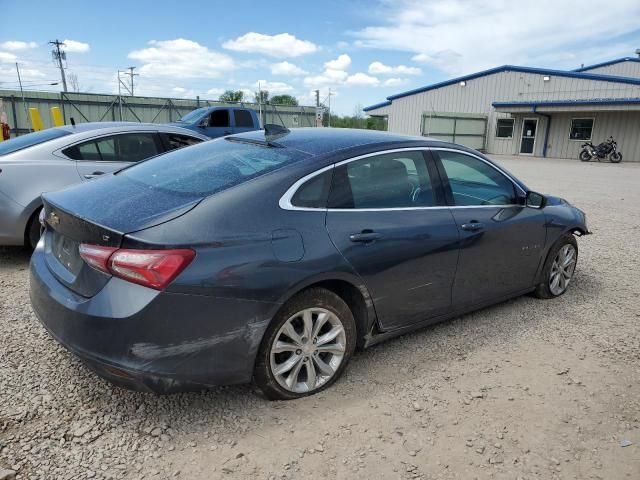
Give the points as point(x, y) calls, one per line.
point(562, 269)
point(308, 350)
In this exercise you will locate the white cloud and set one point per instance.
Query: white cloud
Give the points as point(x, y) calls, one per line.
point(362, 79)
point(395, 82)
point(462, 36)
point(282, 45)
point(6, 57)
point(215, 91)
point(14, 45)
point(75, 47)
point(181, 58)
point(340, 63)
point(379, 68)
point(274, 88)
point(286, 68)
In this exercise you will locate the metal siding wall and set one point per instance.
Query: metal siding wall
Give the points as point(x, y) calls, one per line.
point(623, 69)
point(405, 114)
point(624, 126)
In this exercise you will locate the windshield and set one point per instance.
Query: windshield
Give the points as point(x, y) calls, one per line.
point(193, 116)
point(30, 139)
point(210, 167)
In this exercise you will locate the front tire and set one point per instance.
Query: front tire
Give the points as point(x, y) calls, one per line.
point(307, 346)
point(615, 157)
point(584, 156)
point(559, 268)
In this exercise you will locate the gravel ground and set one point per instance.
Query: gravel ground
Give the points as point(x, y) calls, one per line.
point(525, 389)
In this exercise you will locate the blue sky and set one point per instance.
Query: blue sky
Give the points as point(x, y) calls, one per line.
point(362, 50)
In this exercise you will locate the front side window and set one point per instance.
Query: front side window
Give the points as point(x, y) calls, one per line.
point(219, 118)
point(581, 129)
point(504, 128)
point(390, 180)
point(474, 182)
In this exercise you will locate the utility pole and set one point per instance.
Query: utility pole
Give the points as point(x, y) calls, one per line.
point(131, 75)
point(329, 109)
point(317, 98)
point(24, 102)
point(59, 55)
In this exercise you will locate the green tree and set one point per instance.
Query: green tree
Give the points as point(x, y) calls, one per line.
point(261, 96)
point(284, 100)
point(232, 96)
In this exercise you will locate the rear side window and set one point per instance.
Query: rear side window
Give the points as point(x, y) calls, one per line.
point(219, 118)
point(210, 167)
point(243, 118)
point(391, 180)
point(128, 147)
point(314, 192)
point(174, 140)
point(30, 139)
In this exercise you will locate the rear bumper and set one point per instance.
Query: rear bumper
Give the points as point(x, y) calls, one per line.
point(147, 340)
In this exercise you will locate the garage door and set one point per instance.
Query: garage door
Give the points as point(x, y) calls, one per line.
point(467, 130)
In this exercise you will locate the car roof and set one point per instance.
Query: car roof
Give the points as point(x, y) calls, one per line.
point(323, 141)
point(120, 126)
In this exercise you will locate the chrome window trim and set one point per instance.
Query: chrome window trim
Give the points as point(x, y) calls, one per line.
point(285, 200)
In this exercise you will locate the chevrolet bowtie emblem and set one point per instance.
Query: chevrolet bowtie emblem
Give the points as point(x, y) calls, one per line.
point(54, 219)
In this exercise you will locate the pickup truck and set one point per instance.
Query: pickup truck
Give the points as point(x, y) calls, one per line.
point(220, 121)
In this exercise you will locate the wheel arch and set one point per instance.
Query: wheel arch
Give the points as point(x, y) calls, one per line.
point(350, 289)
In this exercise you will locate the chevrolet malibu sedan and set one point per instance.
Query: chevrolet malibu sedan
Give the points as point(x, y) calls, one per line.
point(273, 256)
point(58, 157)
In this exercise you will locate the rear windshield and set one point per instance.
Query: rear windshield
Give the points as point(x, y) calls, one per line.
point(30, 139)
point(210, 167)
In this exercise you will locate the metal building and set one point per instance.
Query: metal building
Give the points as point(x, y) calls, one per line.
point(526, 111)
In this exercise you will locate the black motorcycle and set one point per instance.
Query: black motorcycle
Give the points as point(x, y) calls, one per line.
point(608, 148)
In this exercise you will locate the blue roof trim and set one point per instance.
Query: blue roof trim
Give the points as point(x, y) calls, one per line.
point(559, 103)
point(606, 64)
point(377, 105)
point(515, 68)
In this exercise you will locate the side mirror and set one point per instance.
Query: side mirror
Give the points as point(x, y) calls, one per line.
point(204, 123)
point(535, 200)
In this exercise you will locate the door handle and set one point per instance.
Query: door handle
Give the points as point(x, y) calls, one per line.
point(89, 176)
point(366, 236)
point(472, 226)
point(228, 132)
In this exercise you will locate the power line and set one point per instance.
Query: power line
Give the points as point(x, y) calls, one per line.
point(59, 55)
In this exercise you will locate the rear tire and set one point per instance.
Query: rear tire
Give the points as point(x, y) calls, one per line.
point(615, 157)
point(559, 268)
point(307, 346)
point(32, 233)
point(584, 156)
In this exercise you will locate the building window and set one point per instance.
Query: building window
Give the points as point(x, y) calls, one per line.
point(504, 128)
point(581, 128)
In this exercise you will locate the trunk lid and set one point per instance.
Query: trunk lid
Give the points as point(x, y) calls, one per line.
point(100, 212)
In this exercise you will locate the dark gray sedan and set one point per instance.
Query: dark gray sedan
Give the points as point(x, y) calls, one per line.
point(274, 257)
point(58, 157)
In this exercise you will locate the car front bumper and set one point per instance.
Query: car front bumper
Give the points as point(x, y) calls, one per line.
point(147, 340)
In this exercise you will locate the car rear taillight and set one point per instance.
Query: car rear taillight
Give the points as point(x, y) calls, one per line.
point(150, 268)
point(96, 256)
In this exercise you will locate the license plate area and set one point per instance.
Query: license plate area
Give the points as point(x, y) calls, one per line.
point(65, 251)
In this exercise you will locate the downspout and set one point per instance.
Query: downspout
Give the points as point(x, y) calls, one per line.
point(546, 130)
